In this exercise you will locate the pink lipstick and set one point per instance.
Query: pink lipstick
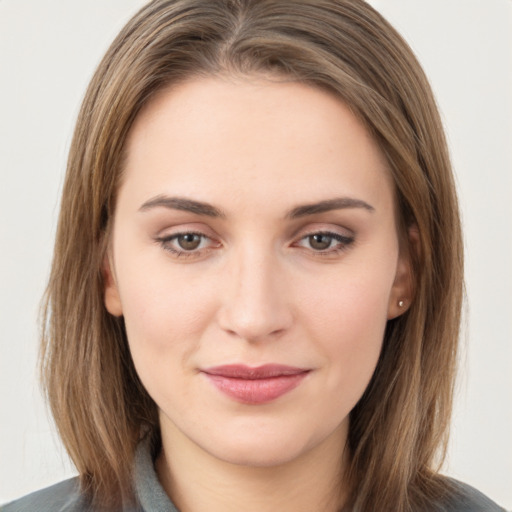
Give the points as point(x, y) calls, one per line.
point(255, 385)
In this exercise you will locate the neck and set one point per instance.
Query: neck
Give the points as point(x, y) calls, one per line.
point(197, 481)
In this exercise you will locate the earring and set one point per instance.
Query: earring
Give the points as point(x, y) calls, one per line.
point(401, 303)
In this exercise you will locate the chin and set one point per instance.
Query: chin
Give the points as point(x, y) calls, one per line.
point(260, 452)
point(272, 445)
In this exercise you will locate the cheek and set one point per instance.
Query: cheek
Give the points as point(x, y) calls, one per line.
point(165, 324)
point(165, 313)
point(348, 320)
point(348, 305)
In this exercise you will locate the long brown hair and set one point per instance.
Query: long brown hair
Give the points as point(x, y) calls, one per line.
point(398, 429)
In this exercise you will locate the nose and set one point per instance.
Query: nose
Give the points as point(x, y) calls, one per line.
point(255, 298)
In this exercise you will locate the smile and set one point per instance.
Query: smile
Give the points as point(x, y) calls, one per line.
point(255, 385)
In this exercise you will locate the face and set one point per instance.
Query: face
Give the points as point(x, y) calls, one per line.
point(255, 259)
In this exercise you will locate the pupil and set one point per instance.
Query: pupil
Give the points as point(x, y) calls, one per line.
point(189, 241)
point(320, 242)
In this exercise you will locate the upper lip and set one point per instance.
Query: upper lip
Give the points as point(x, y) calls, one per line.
point(241, 371)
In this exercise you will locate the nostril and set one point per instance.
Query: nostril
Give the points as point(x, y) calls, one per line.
point(254, 303)
point(255, 326)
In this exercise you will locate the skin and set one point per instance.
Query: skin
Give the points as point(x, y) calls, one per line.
point(257, 289)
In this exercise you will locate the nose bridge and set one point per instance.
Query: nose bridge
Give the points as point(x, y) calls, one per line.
point(255, 302)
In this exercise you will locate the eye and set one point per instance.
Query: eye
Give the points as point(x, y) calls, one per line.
point(186, 244)
point(325, 242)
point(320, 241)
point(189, 241)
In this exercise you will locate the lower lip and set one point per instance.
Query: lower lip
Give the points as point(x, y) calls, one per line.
point(256, 391)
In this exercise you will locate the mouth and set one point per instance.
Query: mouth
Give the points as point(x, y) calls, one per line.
point(255, 385)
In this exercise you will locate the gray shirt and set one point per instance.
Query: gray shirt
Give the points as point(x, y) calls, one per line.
point(66, 497)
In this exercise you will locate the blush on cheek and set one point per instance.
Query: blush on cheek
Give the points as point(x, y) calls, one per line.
point(350, 328)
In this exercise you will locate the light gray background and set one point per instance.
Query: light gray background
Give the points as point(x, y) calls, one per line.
point(48, 51)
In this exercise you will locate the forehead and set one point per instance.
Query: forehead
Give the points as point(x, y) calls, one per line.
point(220, 139)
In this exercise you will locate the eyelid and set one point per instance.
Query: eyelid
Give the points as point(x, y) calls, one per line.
point(166, 240)
point(345, 239)
point(335, 236)
point(177, 228)
point(323, 228)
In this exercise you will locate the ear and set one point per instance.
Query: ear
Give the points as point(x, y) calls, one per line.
point(403, 287)
point(110, 292)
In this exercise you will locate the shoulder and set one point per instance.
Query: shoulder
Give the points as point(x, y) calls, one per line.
point(62, 497)
point(465, 498)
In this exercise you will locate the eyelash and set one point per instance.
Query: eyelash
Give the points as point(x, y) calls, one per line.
point(344, 243)
point(166, 243)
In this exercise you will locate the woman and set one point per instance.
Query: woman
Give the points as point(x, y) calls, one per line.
point(256, 288)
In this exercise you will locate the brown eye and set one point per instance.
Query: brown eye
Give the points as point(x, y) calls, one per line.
point(189, 241)
point(188, 244)
point(326, 243)
point(320, 241)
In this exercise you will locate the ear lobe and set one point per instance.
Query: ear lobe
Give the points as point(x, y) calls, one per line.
point(110, 293)
point(402, 292)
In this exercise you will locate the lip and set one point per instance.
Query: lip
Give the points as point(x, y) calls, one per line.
point(255, 385)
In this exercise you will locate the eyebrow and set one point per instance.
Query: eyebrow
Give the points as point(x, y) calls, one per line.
point(206, 209)
point(180, 203)
point(339, 203)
